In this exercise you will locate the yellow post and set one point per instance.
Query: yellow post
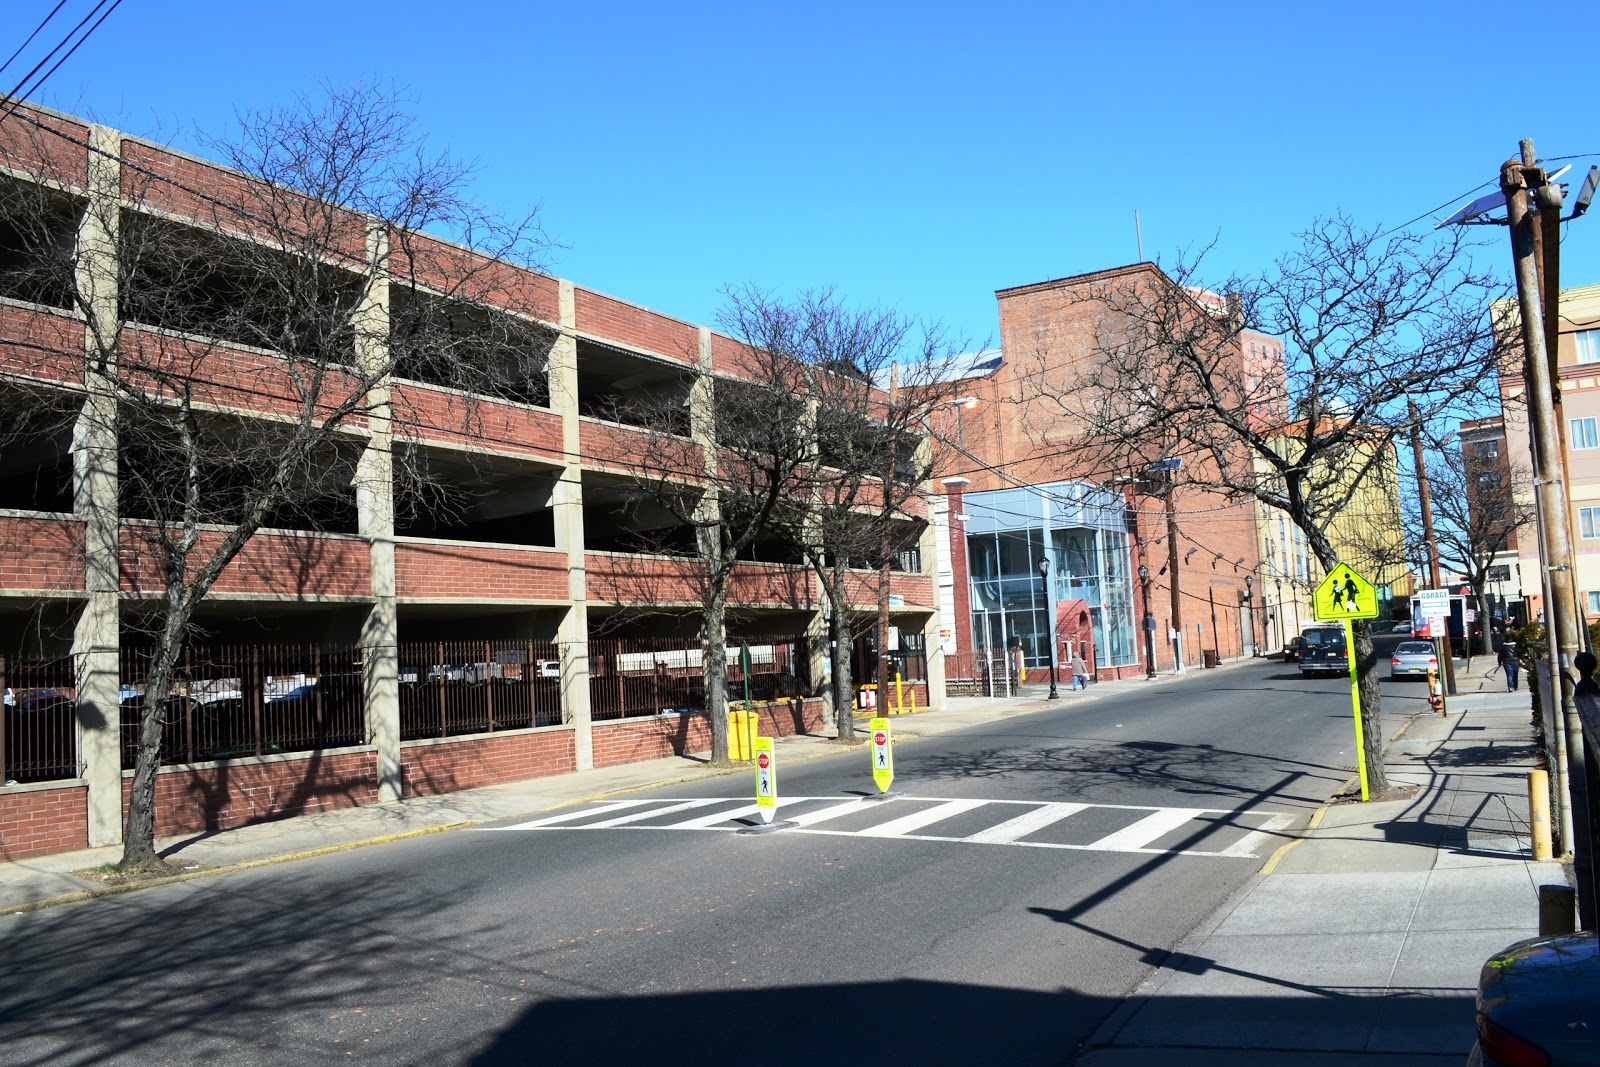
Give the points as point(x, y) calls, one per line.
point(1355, 702)
point(1539, 813)
point(899, 696)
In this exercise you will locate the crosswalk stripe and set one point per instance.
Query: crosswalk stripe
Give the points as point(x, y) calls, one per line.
point(832, 811)
point(1024, 824)
point(582, 813)
point(918, 819)
point(651, 813)
point(1136, 837)
point(701, 822)
point(1245, 847)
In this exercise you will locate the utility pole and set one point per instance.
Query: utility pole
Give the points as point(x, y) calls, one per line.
point(1448, 658)
point(1172, 571)
point(1517, 178)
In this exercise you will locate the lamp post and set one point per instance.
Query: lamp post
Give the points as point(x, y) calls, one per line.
point(1149, 624)
point(1250, 606)
point(1044, 572)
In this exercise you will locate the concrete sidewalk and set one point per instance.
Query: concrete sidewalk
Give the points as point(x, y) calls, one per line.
point(1362, 941)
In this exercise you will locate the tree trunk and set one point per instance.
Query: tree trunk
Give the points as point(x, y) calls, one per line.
point(839, 633)
point(139, 826)
point(714, 670)
point(1367, 682)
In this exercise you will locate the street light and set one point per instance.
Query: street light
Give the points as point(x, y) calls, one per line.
point(1249, 597)
point(1149, 624)
point(1044, 572)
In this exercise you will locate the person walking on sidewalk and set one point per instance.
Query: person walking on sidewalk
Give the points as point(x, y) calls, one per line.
point(1586, 663)
point(1507, 658)
point(1080, 672)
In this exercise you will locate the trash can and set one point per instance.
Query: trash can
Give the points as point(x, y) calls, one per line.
point(1210, 656)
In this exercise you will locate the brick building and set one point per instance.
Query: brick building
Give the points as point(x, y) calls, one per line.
point(1043, 490)
point(377, 648)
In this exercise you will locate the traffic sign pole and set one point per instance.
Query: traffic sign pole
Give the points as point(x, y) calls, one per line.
point(1355, 702)
point(766, 779)
point(882, 754)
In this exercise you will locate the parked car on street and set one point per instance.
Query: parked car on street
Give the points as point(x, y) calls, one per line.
point(1401, 628)
point(1533, 1001)
point(1412, 659)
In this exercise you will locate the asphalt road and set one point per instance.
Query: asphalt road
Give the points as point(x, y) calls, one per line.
point(1030, 873)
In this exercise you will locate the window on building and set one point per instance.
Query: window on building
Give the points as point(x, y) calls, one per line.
point(1500, 573)
point(1489, 482)
point(1594, 602)
point(1486, 449)
point(1587, 343)
point(1584, 434)
point(1588, 522)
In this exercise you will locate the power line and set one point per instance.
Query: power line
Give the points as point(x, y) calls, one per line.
point(13, 98)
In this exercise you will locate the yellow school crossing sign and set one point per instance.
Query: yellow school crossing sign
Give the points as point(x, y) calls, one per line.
point(1344, 594)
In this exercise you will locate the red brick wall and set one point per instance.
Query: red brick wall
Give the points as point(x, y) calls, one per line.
point(634, 740)
point(61, 158)
point(238, 792)
point(447, 766)
point(41, 554)
point(38, 344)
point(434, 569)
point(483, 425)
point(300, 564)
point(36, 822)
point(607, 444)
point(635, 327)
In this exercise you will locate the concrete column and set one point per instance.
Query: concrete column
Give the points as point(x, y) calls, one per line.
point(96, 638)
point(374, 486)
point(572, 635)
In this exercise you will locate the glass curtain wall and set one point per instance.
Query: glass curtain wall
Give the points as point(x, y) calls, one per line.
point(1011, 604)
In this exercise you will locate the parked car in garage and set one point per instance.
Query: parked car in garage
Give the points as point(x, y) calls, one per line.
point(1412, 659)
point(1533, 999)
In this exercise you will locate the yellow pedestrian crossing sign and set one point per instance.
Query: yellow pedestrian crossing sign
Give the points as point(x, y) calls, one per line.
point(882, 754)
point(1344, 594)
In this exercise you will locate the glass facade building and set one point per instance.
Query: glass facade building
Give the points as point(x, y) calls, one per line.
point(1083, 531)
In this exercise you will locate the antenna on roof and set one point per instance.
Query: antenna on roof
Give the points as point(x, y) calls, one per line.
point(1137, 235)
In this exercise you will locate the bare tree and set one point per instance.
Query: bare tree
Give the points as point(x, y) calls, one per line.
point(1476, 515)
point(1367, 321)
point(877, 379)
point(245, 332)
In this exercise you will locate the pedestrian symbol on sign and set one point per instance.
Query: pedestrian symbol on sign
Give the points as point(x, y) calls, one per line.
point(1344, 594)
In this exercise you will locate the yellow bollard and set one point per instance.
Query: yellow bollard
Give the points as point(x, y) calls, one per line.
point(899, 696)
point(744, 726)
point(1539, 813)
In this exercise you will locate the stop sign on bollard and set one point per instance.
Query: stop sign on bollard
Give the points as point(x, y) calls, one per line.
point(766, 779)
point(882, 754)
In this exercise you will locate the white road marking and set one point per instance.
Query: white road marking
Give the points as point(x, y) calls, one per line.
point(651, 813)
point(1157, 824)
point(1255, 827)
point(581, 813)
point(1023, 825)
point(1245, 847)
point(918, 819)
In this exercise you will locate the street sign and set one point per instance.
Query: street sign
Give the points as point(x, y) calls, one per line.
point(882, 754)
point(1432, 603)
point(1343, 595)
point(766, 779)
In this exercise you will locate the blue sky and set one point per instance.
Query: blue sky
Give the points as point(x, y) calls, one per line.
point(918, 156)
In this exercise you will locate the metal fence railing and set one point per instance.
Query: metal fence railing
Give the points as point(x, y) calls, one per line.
point(450, 688)
point(229, 701)
point(240, 701)
point(39, 741)
point(650, 676)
